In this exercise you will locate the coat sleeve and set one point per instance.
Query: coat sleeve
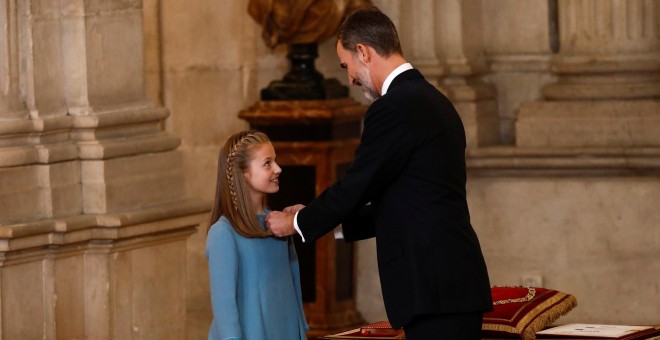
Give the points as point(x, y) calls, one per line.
point(360, 225)
point(222, 256)
point(385, 147)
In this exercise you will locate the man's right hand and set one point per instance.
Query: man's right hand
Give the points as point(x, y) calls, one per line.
point(280, 223)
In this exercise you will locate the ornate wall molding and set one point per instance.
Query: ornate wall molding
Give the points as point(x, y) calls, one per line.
point(93, 208)
point(608, 88)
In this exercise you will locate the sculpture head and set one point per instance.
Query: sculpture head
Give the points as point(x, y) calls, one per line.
point(301, 21)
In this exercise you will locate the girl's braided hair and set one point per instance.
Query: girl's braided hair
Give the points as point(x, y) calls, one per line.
point(232, 198)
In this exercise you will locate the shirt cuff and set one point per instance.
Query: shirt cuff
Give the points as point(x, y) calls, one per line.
point(295, 226)
point(339, 232)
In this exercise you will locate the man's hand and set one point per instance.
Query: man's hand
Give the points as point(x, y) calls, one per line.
point(280, 223)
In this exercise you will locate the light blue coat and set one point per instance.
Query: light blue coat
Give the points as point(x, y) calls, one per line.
point(255, 286)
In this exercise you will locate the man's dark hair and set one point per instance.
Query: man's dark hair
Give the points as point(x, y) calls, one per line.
point(370, 27)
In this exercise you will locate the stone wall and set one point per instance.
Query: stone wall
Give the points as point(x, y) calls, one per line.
point(93, 213)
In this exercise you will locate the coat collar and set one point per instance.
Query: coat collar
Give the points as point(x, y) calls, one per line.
point(403, 77)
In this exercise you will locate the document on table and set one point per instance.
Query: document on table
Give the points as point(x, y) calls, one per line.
point(583, 329)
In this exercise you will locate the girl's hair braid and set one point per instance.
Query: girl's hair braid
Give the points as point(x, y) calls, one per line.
point(230, 167)
point(232, 199)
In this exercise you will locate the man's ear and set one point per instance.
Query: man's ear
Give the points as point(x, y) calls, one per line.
point(363, 53)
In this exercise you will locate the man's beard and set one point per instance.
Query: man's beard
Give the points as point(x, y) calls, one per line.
point(367, 88)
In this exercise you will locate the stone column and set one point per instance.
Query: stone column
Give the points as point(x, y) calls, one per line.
point(580, 182)
point(424, 51)
point(444, 40)
point(609, 79)
point(93, 220)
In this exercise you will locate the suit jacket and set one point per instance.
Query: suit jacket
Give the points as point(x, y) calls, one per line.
point(410, 167)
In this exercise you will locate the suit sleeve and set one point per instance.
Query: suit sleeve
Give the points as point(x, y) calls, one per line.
point(360, 225)
point(381, 156)
point(222, 255)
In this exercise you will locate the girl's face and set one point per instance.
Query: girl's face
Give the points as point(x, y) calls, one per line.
point(262, 173)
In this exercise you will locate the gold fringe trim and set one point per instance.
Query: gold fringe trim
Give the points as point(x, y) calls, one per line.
point(549, 310)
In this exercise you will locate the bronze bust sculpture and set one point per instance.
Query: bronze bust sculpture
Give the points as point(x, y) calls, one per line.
point(302, 24)
point(301, 21)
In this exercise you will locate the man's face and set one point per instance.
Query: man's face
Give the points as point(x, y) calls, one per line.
point(358, 72)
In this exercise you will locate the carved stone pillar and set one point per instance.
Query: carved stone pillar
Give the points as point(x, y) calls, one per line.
point(609, 79)
point(93, 221)
point(586, 160)
point(451, 57)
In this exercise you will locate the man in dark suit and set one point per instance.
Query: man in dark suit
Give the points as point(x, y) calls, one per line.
point(406, 187)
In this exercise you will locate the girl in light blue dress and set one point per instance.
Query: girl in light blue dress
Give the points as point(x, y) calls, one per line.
point(254, 276)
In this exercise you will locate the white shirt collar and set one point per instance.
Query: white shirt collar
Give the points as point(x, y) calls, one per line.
point(396, 72)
